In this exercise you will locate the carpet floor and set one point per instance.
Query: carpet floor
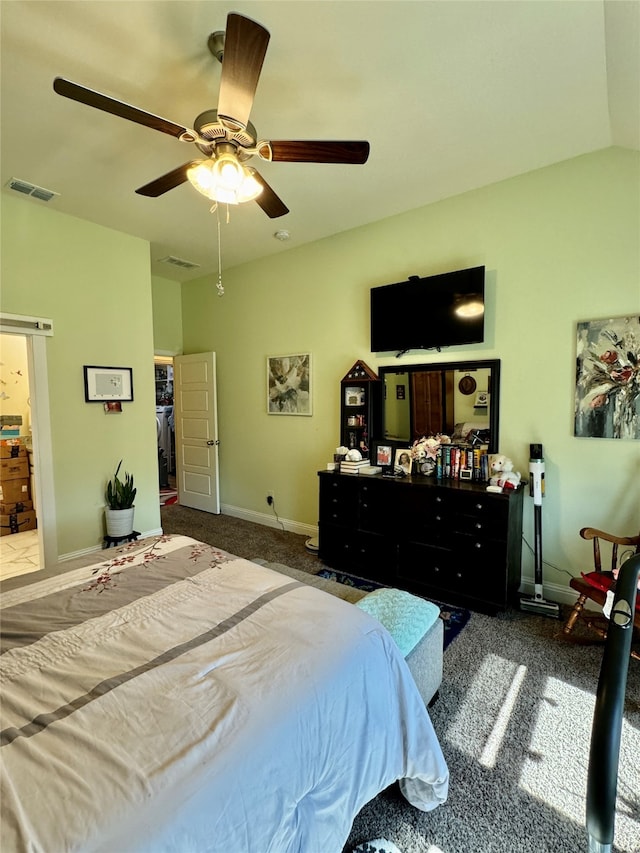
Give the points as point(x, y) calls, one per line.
point(513, 718)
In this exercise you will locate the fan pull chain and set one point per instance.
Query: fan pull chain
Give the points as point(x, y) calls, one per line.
point(219, 285)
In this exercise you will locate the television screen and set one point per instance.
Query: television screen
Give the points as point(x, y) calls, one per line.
point(429, 313)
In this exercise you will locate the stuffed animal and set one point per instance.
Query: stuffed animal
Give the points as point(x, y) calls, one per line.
point(502, 473)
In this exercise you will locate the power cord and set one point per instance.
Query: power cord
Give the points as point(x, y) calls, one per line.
point(272, 503)
point(546, 563)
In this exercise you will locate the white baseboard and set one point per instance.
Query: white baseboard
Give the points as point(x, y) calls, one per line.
point(269, 520)
point(63, 558)
point(555, 592)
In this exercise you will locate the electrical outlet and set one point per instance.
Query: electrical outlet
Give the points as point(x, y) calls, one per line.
point(270, 498)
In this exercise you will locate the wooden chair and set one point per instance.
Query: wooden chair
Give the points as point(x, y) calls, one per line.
point(594, 585)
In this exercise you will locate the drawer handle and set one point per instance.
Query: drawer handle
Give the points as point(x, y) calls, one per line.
point(459, 575)
point(438, 499)
point(365, 506)
point(437, 518)
point(436, 569)
point(478, 545)
point(478, 525)
point(479, 506)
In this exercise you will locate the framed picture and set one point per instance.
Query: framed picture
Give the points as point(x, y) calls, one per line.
point(108, 384)
point(382, 455)
point(289, 384)
point(402, 461)
point(354, 396)
point(607, 395)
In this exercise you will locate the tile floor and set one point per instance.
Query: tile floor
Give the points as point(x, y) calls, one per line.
point(19, 554)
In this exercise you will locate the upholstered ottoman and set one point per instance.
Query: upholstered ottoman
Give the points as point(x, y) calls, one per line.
point(415, 625)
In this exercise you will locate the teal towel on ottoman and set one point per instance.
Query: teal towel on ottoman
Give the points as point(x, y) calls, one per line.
point(406, 617)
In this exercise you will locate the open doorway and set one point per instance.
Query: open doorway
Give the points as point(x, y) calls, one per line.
point(19, 543)
point(165, 427)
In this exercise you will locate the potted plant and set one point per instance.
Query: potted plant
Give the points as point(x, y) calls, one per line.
point(120, 495)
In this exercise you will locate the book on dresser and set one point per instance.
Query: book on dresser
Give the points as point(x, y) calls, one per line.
point(348, 467)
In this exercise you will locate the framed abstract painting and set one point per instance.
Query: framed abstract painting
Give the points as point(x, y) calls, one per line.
point(607, 396)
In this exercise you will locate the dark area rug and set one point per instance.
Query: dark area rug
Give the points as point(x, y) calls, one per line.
point(454, 618)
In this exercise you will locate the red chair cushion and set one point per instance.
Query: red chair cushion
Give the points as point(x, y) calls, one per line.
point(601, 580)
point(605, 581)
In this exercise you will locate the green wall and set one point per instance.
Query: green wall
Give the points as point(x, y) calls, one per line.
point(95, 285)
point(167, 316)
point(560, 245)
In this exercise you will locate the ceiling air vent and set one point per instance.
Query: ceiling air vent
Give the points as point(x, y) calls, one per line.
point(26, 188)
point(178, 262)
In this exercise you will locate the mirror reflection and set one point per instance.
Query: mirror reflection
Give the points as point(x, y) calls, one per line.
point(460, 399)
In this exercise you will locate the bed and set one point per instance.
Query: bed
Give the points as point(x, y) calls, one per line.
point(174, 697)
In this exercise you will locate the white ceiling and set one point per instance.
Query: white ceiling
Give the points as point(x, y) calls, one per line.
point(452, 95)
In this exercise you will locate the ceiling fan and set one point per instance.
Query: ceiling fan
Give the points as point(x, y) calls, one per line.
point(225, 135)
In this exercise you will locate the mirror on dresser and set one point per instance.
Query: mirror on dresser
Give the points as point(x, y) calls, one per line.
point(460, 399)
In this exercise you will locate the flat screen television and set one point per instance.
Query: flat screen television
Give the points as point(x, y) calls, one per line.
point(429, 313)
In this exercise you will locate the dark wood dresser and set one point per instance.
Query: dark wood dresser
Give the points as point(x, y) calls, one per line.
point(447, 539)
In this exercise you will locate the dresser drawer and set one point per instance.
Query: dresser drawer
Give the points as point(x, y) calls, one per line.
point(339, 500)
point(365, 554)
point(374, 514)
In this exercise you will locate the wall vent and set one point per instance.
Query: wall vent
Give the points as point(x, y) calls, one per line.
point(33, 190)
point(178, 262)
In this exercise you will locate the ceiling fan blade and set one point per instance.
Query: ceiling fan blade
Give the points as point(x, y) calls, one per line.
point(245, 46)
point(272, 205)
point(167, 182)
point(319, 152)
point(117, 108)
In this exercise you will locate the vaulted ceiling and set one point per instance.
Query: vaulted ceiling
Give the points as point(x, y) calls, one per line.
point(451, 96)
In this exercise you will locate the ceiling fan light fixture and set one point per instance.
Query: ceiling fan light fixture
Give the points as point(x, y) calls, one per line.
point(225, 180)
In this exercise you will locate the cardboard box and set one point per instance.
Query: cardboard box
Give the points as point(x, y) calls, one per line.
point(17, 522)
point(14, 469)
point(12, 491)
point(12, 451)
point(7, 508)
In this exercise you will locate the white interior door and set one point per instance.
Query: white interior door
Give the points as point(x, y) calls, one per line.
point(196, 426)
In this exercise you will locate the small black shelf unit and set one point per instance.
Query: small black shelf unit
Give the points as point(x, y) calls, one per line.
point(360, 408)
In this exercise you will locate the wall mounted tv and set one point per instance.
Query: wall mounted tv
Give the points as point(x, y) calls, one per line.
point(428, 313)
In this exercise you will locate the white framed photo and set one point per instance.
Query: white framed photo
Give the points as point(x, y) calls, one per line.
point(107, 384)
point(402, 460)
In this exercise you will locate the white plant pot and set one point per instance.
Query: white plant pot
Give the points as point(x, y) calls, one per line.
point(119, 521)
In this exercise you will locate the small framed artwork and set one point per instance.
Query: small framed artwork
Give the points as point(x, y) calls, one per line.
point(400, 392)
point(354, 396)
point(402, 461)
point(289, 384)
point(113, 408)
point(383, 455)
point(108, 384)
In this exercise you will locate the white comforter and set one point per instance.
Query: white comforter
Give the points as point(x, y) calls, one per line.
point(231, 710)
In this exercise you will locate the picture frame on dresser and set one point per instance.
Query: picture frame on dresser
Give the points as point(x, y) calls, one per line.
point(402, 460)
point(383, 454)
